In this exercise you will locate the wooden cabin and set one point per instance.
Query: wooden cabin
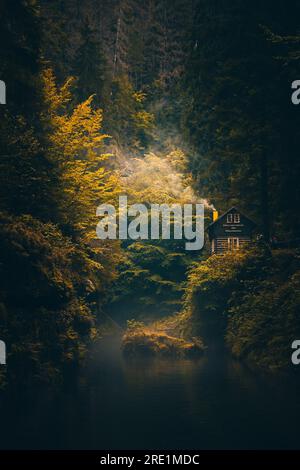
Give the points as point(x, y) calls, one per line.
point(230, 231)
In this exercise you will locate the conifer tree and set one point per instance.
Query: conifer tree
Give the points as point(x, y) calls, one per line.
point(90, 67)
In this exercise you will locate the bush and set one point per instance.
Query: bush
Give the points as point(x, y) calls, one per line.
point(210, 284)
point(45, 299)
point(263, 318)
point(140, 340)
point(249, 299)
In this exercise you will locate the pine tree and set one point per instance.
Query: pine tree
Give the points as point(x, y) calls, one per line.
point(90, 67)
point(28, 178)
point(234, 108)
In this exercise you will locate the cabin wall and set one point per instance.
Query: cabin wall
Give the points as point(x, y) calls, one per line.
point(222, 245)
point(225, 230)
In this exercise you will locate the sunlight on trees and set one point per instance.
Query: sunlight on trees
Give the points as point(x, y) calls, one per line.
point(76, 145)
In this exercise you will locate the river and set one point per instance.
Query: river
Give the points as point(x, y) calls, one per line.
point(213, 402)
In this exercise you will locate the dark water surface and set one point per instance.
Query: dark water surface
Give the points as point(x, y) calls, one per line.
point(210, 403)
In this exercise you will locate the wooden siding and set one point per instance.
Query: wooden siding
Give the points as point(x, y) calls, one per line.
point(222, 244)
point(240, 227)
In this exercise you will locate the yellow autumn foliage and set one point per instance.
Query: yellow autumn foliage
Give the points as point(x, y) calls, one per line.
point(77, 145)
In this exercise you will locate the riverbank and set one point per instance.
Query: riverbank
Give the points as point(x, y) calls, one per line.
point(251, 300)
point(152, 340)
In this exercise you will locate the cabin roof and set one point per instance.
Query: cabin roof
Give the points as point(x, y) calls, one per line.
point(233, 208)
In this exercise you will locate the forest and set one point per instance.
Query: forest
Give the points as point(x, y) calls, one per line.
point(167, 102)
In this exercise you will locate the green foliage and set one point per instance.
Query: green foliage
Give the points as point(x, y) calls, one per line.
point(209, 287)
point(48, 287)
point(250, 299)
point(263, 318)
point(238, 111)
point(152, 272)
point(133, 325)
point(53, 282)
point(218, 70)
point(149, 281)
point(90, 67)
point(20, 35)
point(126, 117)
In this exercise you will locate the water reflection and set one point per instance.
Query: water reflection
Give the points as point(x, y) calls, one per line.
point(115, 403)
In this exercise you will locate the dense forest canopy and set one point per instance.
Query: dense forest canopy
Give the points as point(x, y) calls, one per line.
point(211, 77)
point(103, 96)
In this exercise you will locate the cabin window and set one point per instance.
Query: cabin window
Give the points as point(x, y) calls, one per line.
point(233, 218)
point(236, 218)
point(233, 243)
